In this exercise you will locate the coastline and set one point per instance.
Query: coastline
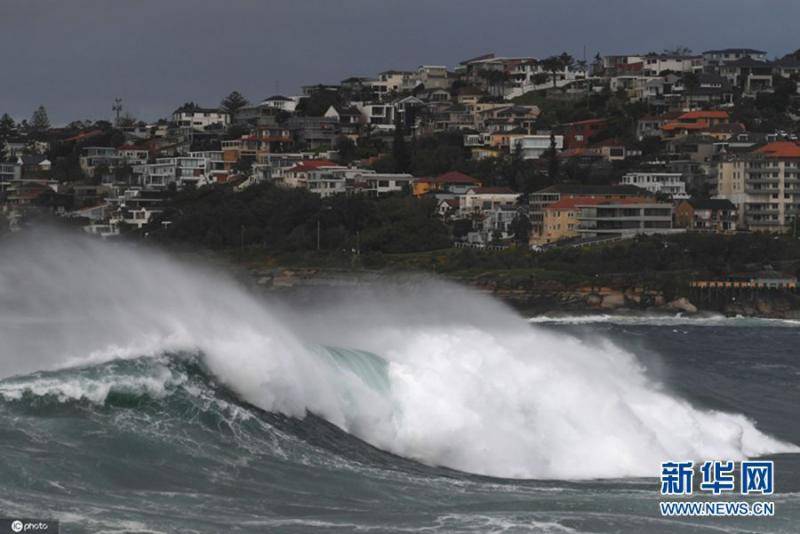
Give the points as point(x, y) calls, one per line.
point(537, 296)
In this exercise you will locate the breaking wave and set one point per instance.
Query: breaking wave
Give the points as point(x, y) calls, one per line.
point(426, 370)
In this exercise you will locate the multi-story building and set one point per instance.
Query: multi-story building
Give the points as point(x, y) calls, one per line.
point(480, 199)
point(216, 167)
point(539, 200)
point(432, 77)
point(749, 75)
point(329, 181)
point(297, 175)
point(132, 155)
point(657, 64)
point(666, 183)
point(764, 185)
point(560, 220)
point(381, 184)
point(192, 116)
point(625, 217)
point(314, 132)
point(579, 134)
point(712, 59)
point(181, 171)
point(8, 173)
point(390, 83)
point(534, 146)
point(94, 156)
point(715, 215)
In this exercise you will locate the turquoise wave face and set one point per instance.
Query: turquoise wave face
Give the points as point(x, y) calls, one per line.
point(182, 401)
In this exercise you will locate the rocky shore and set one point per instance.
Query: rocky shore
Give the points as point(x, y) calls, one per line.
point(549, 296)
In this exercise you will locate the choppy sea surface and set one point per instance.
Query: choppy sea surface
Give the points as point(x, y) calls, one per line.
point(143, 394)
point(157, 444)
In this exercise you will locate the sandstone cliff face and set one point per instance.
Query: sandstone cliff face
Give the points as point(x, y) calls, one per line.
point(776, 305)
point(591, 298)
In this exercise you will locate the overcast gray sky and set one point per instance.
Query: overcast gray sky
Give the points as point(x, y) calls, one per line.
point(76, 56)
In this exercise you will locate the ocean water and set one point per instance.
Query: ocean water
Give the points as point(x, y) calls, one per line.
point(139, 394)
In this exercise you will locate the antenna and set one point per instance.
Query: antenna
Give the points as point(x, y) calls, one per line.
point(117, 107)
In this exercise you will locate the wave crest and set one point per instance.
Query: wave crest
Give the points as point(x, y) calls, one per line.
point(440, 374)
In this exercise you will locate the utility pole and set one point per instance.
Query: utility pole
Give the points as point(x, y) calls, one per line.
point(117, 107)
point(318, 232)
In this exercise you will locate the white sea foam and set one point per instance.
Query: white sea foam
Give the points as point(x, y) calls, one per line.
point(468, 384)
point(664, 320)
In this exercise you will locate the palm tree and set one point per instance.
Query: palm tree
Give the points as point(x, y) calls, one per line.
point(552, 65)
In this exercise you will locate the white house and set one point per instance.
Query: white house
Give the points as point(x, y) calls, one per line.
point(283, 103)
point(482, 199)
point(380, 184)
point(198, 118)
point(533, 146)
point(668, 183)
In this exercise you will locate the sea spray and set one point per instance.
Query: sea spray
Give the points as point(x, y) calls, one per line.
point(466, 383)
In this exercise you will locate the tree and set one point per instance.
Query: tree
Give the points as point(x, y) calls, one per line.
point(552, 156)
point(346, 149)
point(691, 81)
point(402, 156)
point(553, 64)
point(318, 102)
point(521, 228)
point(126, 121)
point(679, 50)
point(566, 60)
point(7, 127)
point(123, 173)
point(39, 121)
point(244, 165)
point(233, 103)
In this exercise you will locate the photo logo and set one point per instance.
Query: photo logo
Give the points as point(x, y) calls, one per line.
point(717, 478)
point(16, 526)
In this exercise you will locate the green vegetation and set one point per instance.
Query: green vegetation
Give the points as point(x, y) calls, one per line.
point(665, 263)
point(282, 221)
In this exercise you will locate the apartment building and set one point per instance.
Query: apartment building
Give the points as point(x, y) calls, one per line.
point(8, 173)
point(539, 200)
point(625, 218)
point(764, 185)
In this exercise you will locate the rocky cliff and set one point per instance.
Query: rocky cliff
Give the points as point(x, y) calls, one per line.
point(546, 296)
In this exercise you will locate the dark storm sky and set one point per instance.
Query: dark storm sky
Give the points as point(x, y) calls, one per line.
point(76, 56)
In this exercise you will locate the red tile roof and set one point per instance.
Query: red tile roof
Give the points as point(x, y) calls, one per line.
point(702, 125)
point(455, 177)
point(570, 203)
point(492, 190)
point(694, 115)
point(781, 149)
point(84, 135)
point(311, 164)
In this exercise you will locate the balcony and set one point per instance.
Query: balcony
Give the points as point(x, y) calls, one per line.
point(767, 192)
point(763, 181)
